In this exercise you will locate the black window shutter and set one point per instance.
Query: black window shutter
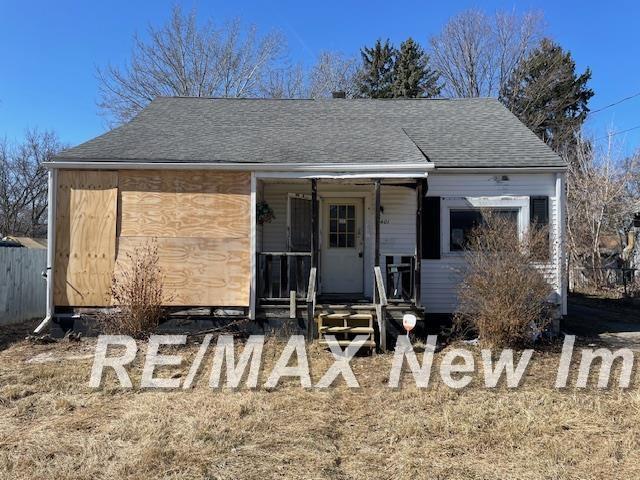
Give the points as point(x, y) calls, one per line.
point(539, 210)
point(431, 228)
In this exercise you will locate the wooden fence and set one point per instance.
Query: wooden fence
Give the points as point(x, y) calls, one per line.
point(23, 291)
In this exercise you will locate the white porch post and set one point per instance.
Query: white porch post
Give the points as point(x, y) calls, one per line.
point(252, 249)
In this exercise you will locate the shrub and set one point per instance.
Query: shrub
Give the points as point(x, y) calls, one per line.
point(137, 291)
point(504, 295)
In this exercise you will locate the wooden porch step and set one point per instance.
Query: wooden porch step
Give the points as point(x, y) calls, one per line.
point(405, 307)
point(346, 316)
point(345, 306)
point(345, 343)
point(346, 320)
point(354, 330)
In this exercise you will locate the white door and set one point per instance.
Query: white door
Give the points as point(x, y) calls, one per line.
point(342, 245)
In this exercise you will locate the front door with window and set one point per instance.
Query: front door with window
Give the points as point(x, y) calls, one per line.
point(342, 246)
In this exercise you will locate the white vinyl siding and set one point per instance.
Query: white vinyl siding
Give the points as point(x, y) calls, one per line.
point(440, 278)
point(398, 222)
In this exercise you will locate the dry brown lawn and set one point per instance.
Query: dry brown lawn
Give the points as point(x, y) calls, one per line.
point(53, 426)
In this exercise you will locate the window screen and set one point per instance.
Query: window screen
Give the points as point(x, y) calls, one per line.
point(539, 216)
point(300, 225)
point(539, 211)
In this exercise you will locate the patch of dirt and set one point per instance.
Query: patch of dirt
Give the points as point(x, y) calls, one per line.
point(10, 334)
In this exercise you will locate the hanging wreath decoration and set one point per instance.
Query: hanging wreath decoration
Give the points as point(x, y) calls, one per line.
point(264, 213)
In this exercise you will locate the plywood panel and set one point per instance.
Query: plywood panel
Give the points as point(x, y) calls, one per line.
point(197, 204)
point(86, 212)
point(148, 203)
point(197, 271)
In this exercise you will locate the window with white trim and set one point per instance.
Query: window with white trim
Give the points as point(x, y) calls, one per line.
point(463, 222)
point(460, 215)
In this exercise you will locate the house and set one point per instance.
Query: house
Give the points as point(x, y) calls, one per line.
point(348, 210)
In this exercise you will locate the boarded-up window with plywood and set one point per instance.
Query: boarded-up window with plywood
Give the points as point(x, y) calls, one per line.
point(200, 221)
point(86, 210)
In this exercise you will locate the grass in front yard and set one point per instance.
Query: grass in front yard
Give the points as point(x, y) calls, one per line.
point(53, 426)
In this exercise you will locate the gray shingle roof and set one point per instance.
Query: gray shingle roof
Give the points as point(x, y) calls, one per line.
point(450, 133)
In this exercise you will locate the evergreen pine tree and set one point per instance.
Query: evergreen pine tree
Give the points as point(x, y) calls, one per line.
point(375, 79)
point(412, 75)
point(548, 96)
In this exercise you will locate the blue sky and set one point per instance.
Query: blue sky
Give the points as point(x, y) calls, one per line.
point(49, 50)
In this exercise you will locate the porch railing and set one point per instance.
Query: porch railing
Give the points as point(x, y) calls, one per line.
point(380, 302)
point(311, 304)
point(283, 275)
point(399, 274)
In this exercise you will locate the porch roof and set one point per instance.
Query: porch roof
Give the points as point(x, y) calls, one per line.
point(447, 133)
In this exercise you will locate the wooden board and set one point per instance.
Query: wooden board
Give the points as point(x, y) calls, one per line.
point(86, 212)
point(197, 271)
point(195, 204)
point(200, 221)
point(147, 204)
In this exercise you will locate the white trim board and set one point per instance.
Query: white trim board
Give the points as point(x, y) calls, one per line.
point(505, 170)
point(560, 239)
point(372, 168)
point(342, 176)
point(252, 249)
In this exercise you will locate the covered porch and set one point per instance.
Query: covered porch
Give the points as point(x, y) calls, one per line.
point(330, 251)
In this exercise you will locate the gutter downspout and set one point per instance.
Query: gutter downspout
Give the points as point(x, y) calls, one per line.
point(51, 245)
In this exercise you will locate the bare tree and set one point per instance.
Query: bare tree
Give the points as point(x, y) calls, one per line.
point(475, 53)
point(285, 82)
point(23, 183)
point(632, 165)
point(515, 37)
point(600, 203)
point(187, 59)
point(333, 72)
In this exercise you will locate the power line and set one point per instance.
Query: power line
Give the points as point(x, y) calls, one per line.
point(613, 134)
point(615, 103)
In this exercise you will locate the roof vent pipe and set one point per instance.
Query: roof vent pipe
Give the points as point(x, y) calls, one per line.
point(339, 94)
